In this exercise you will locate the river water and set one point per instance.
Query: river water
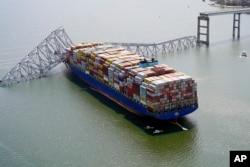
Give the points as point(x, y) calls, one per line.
point(58, 121)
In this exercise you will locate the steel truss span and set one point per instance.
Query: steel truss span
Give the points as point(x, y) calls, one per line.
point(48, 54)
point(40, 60)
point(151, 50)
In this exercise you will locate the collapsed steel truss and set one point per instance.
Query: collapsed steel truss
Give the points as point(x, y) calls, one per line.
point(152, 50)
point(48, 53)
point(40, 60)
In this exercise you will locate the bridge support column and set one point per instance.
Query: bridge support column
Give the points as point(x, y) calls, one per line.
point(236, 24)
point(204, 32)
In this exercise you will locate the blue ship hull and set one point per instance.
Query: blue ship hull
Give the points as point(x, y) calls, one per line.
point(128, 103)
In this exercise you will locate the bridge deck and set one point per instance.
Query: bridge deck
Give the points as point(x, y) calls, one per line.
point(222, 12)
point(204, 17)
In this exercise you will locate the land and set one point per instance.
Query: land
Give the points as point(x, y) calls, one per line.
point(231, 3)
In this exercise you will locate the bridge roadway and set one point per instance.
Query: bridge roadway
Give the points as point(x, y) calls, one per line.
point(223, 12)
point(203, 30)
point(48, 54)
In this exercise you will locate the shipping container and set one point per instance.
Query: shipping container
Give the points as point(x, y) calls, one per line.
point(152, 89)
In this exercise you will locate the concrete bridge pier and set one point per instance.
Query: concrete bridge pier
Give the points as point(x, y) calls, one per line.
point(203, 30)
point(236, 24)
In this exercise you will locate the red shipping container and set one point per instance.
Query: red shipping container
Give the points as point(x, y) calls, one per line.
point(71, 52)
point(136, 88)
point(150, 90)
point(152, 98)
point(129, 91)
point(105, 69)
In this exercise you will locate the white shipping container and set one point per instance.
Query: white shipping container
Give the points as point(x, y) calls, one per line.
point(144, 84)
point(105, 77)
point(141, 75)
point(116, 85)
point(136, 97)
point(184, 78)
point(122, 83)
point(110, 72)
point(130, 81)
point(138, 79)
point(97, 60)
point(112, 66)
point(117, 69)
point(101, 55)
point(89, 50)
point(83, 66)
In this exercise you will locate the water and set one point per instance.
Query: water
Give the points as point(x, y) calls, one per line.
point(57, 121)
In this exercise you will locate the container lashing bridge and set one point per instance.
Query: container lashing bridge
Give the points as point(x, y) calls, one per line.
point(48, 54)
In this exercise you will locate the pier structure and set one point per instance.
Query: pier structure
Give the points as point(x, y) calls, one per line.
point(203, 23)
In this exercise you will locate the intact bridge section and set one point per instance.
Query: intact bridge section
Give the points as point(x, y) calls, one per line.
point(203, 28)
point(48, 54)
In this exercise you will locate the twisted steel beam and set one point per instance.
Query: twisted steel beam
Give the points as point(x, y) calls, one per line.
point(41, 59)
point(151, 50)
point(48, 54)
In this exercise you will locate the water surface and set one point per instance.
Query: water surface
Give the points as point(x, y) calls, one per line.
point(58, 121)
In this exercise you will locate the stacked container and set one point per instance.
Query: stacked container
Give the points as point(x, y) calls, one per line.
point(159, 88)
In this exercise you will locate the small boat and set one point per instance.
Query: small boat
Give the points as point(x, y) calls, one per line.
point(149, 127)
point(157, 131)
point(243, 54)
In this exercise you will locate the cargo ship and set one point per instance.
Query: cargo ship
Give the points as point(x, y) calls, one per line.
point(140, 85)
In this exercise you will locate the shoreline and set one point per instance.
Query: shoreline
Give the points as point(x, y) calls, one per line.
point(214, 4)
